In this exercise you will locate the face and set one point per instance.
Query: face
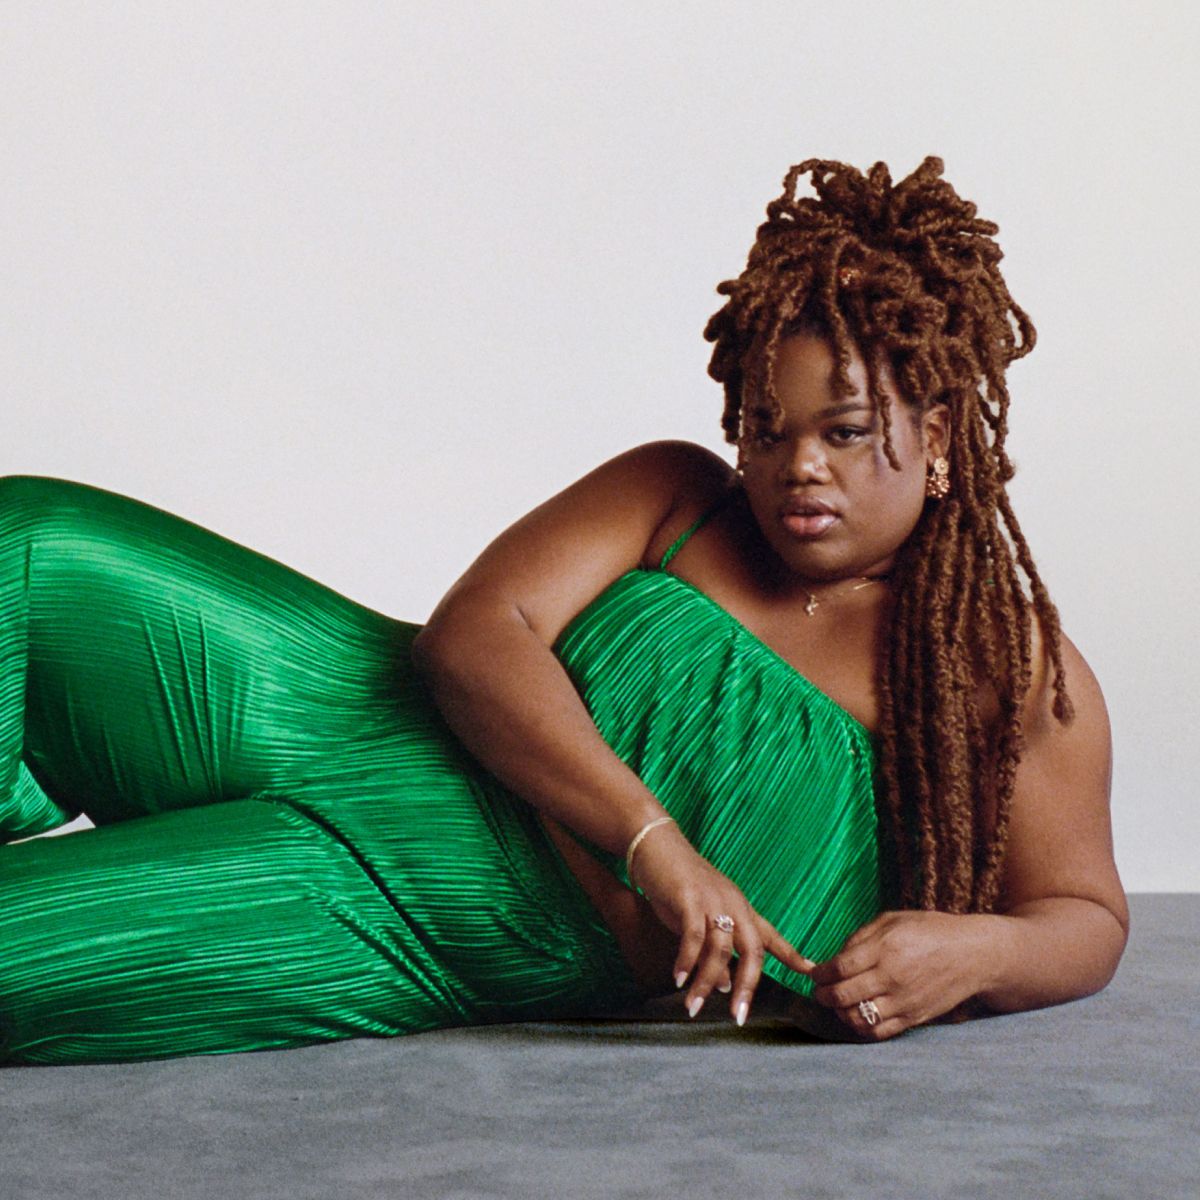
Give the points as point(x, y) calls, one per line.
point(850, 509)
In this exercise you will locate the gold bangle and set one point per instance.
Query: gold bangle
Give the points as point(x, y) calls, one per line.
point(637, 841)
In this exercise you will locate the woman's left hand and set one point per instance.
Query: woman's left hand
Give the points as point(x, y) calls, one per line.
point(914, 965)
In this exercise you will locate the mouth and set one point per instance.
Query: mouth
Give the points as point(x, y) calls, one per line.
point(808, 525)
point(808, 516)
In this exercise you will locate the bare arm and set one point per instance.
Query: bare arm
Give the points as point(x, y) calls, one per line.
point(486, 656)
point(1061, 922)
point(512, 705)
point(485, 651)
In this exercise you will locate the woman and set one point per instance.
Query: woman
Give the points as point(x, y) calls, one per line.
point(833, 742)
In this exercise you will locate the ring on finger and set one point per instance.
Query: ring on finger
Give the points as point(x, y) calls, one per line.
point(869, 1011)
point(723, 922)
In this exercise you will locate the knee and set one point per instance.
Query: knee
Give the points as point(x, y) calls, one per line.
point(29, 493)
point(27, 500)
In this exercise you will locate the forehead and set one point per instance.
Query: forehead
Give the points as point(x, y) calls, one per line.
point(805, 367)
point(805, 379)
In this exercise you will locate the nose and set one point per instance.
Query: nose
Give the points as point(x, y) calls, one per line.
point(806, 463)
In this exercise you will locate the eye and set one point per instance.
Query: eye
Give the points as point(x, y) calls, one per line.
point(765, 439)
point(845, 435)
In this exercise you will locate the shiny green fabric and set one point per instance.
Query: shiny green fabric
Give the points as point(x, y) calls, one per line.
point(769, 778)
point(290, 844)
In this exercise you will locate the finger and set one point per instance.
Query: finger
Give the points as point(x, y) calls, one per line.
point(691, 942)
point(846, 993)
point(846, 963)
point(779, 947)
point(725, 984)
point(750, 961)
point(869, 930)
point(887, 1023)
point(713, 964)
point(749, 971)
point(888, 1029)
point(881, 1032)
point(787, 954)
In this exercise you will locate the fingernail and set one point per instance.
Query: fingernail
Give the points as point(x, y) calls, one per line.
point(808, 964)
point(695, 1006)
point(725, 988)
point(739, 1012)
point(680, 978)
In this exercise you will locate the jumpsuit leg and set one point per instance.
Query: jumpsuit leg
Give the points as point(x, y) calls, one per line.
point(147, 663)
point(172, 685)
point(235, 926)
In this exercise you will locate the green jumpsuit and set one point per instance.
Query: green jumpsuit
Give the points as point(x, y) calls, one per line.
point(291, 846)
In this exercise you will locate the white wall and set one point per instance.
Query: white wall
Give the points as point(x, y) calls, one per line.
point(358, 283)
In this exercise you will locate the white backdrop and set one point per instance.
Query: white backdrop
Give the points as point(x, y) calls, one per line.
point(357, 284)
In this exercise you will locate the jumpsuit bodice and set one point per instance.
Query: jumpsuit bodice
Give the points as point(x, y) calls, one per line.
point(768, 777)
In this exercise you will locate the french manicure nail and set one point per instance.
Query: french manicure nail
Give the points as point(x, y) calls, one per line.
point(695, 1006)
point(680, 978)
point(725, 988)
point(740, 1012)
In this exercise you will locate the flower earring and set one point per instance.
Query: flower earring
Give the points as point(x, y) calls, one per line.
point(937, 479)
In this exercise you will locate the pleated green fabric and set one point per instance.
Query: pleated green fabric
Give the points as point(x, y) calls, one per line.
point(769, 778)
point(291, 846)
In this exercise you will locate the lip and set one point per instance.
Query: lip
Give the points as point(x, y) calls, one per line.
point(808, 526)
point(807, 517)
point(806, 506)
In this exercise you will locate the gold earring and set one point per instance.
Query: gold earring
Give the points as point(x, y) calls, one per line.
point(937, 479)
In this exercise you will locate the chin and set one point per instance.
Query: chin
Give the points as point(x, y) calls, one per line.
point(822, 562)
point(814, 560)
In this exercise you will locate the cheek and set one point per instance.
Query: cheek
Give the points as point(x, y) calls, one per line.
point(895, 498)
point(883, 477)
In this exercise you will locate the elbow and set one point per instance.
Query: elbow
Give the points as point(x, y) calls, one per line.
point(454, 638)
point(1111, 935)
point(424, 649)
point(1114, 950)
point(1120, 941)
point(1118, 909)
point(434, 652)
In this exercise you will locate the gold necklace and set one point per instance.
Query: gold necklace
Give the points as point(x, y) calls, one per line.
point(811, 606)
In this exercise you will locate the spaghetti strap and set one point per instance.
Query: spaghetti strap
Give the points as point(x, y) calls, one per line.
point(677, 544)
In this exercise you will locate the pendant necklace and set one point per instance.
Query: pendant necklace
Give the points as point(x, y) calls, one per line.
point(810, 606)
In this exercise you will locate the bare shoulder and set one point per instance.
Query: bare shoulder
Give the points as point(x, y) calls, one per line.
point(1087, 700)
point(700, 477)
point(551, 562)
point(692, 468)
point(1060, 830)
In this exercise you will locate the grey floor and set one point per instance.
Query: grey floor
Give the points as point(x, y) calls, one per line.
point(1096, 1099)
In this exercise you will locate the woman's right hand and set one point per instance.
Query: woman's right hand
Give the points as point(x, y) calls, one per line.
point(686, 893)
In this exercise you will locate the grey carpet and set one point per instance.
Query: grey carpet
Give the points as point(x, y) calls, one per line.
point(1096, 1099)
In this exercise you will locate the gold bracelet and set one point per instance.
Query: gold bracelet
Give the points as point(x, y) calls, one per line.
point(637, 841)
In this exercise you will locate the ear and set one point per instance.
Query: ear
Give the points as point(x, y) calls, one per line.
point(935, 431)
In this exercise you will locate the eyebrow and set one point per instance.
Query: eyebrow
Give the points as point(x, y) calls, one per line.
point(760, 412)
point(837, 410)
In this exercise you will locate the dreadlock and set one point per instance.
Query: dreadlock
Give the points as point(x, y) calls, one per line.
point(909, 273)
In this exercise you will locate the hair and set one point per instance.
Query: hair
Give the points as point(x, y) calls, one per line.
point(908, 275)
